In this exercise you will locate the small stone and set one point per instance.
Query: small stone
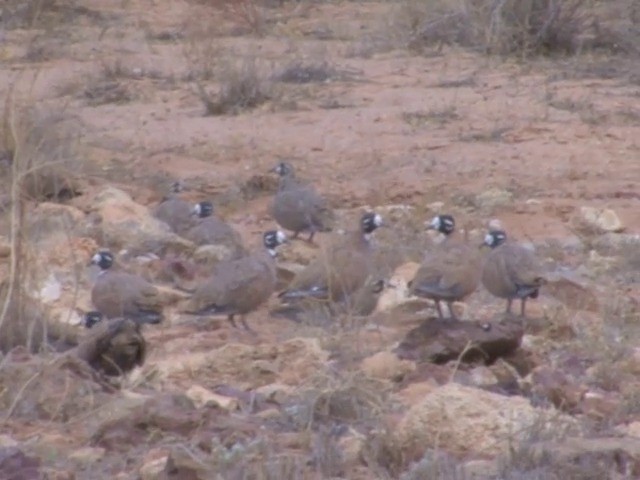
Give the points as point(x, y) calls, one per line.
point(87, 455)
point(386, 366)
point(482, 377)
point(202, 397)
point(600, 219)
point(275, 392)
point(153, 469)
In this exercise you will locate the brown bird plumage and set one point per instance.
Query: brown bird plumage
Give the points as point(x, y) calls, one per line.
point(298, 207)
point(210, 230)
point(238, 287)
point(121, 294)
point(511, 271)
point(113, 346)
point(174, 211)
point(450, 272)
point(340, 270)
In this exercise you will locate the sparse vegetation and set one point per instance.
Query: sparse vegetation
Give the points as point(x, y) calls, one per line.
point(243, 86)
point(524, 28)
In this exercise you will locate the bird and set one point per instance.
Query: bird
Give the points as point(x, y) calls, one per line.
point(174, 211)
point(113, 347)
point(339, 270)
point(121, 294)
point(450, 272)
point(298, 207)
point(211, 230)
point(238, 287)
point(511, 271)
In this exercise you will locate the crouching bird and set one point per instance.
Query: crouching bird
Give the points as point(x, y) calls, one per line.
point(113, 346)
point(121, 294)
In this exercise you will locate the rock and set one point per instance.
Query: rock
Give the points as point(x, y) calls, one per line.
point(554, 386)
point(397, 293)
point(482, 376)
point(604, 457)
point(87, 455)
point(598, 220)
point(351, 446)
point(275, 392)
point(600, 405)
point(153, 469)
point(386, 366)
point(616, 243)
point(492, 198)
point(7, 441)
point(633, 429)
point(598, 264)
point(202, 397)
point(51, 290)
point(123, 223)
point(441, 340)
point(415, 392)
point(182, 464)
point(15, 465)
point(472, 421)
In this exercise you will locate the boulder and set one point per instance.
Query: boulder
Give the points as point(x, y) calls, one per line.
point(119, 223)
point(469, 421)
point(441, 340)
point(598, 220)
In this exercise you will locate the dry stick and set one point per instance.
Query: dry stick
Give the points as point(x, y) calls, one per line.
point(16, 400)
point(15, 202)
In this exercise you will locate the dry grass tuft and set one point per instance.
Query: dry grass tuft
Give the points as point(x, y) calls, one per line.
point(346, 397)
point(243, 86)
point(521, 27)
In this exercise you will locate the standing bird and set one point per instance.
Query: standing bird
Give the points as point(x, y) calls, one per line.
point(238, 287)
point(340, 270)
point(450, 272)
point(298, 207)
point(113, 347)
point(208, 229)
point(511, 271)
point(121, 294)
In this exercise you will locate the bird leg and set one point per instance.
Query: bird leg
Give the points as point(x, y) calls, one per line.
point(232, 321)
point(453, 315)
point(243, 321)
point(522, 304)
point(310, 239)
point(295, 234)
point(509, 300)
point(439, 309)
